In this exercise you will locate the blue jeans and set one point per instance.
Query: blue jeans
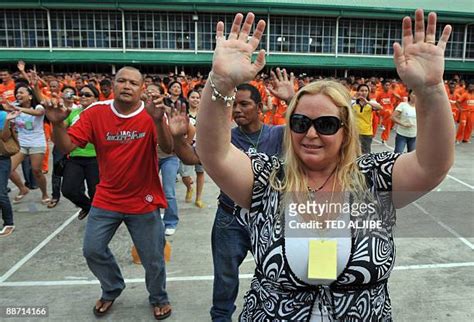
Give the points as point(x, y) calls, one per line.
point(30, 180)
point(5, 205)
point(148, 237)
point(230, 244)
point(169, 171)
point(401, 141)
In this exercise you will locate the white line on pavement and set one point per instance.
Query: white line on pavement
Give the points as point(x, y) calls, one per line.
point(449, 229)
point(460, 181)
point(449, 176)
point(208, 277)
point(19, 264)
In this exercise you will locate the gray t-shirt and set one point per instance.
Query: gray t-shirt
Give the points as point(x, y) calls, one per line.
point(269, 142)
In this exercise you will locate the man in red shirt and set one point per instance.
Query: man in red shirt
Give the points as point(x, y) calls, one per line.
point(125, 134)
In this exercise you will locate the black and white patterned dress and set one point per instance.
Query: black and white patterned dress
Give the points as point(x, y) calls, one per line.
point(360, 292)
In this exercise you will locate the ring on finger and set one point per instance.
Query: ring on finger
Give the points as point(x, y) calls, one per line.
point(431, 42)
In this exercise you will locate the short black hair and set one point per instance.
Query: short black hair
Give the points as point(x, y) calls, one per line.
point(69, 87)
point(105, 82)
point(93, 90)
point(254, 93)
point(175, 82)
point(193, 91)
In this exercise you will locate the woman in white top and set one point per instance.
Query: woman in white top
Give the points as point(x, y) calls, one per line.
point(405, 117)
point(32, 140)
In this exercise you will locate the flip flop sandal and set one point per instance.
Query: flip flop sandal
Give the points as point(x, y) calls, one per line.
point(45, 201)
point(162, 316)
point(98, 312)
point(53, 203)
point(19, 197)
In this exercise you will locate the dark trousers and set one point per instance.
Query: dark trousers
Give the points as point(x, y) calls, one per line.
point(56, 180)
point(365, 143)
point(5, 205)
point(77, 170)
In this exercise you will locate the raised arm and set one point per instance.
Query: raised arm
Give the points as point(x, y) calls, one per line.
point(231, 66)
point(179, 128)
point(57, 113)
point(156, 109)
point(420, 64)
point(21, 69)
point(282, 86)
point(6, 132)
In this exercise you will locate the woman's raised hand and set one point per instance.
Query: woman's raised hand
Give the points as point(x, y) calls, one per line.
point(232, 62)
point(419, 60)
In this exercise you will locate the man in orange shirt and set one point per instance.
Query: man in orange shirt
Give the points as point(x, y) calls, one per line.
point(106, 92)
point(386, 99)
point(7, 87)
point(453, 98)
point(466, 119)
point(53, 88)
point(375, 113)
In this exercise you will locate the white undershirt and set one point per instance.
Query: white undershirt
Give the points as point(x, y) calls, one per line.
point(297, 254)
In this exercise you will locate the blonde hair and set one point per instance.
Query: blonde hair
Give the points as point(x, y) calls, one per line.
point(348, 174)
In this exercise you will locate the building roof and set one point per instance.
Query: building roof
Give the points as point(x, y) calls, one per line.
point(461, 10)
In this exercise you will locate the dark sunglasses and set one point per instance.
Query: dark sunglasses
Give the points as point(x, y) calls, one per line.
point(325, 125)
point(86, 95)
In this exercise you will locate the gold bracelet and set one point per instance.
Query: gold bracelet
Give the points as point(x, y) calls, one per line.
point(217, 95)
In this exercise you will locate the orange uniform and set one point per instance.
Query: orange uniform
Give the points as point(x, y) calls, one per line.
point(47, 134)
point(102, 97)
point(453, 97)
point(7, 91)
point(466, 119)
point(277, 115)
point(386, 99)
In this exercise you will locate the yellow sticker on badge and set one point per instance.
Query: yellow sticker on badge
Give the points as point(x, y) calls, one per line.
point(322, 259)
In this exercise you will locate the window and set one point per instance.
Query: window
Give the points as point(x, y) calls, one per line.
point(86, 29)
point(368, 37)
point(23, 29)
point(159, 30)
point(207, 29)
point(470, 42)
point(454, 47)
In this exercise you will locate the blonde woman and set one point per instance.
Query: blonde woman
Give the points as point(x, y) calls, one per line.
point(323, 273)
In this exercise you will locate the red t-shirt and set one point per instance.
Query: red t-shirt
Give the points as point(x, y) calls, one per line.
point(127, 158)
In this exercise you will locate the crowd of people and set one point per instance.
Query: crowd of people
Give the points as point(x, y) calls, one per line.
point(106, 129)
